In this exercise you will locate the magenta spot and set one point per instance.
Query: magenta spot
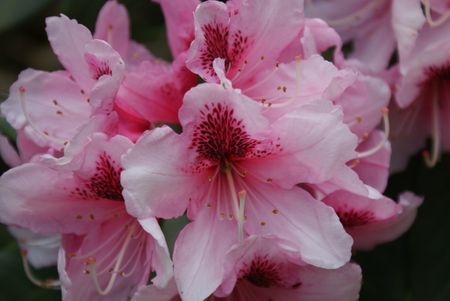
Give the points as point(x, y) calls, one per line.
point(105, 183)
point(220, 136)
point(217, 46)
point(437, 75)
point(216, 40)
point(262, 272)
point(353, 218)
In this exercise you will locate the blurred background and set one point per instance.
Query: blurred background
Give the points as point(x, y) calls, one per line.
point(413, 268)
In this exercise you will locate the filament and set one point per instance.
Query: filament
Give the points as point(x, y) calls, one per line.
point(431, 22)
point(44, 283)
point(381, 144)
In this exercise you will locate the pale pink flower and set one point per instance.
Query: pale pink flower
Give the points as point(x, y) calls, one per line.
point(104, 250)
point(266, 268)
point(229, 158)
point(51, 107)
point(422, 88)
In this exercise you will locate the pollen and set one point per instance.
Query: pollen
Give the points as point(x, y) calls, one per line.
point(262, 223)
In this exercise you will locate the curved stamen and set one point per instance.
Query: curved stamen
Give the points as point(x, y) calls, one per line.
point(356, 16)
point(45, 134)
point(238, 203)
point(380, 145)
point(91, 265)
point(431, 22)
point(44, 283)
point(436, 137)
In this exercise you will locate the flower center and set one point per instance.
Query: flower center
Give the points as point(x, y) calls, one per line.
point(262, 272)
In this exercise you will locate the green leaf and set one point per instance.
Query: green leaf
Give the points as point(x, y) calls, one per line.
point(7, 130)
point(13, 12)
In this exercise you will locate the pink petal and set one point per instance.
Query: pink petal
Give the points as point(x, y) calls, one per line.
point(262, 23)
point(293, 215)
point(41, 250)
point(211, 32)
point(50, 106)
point(179, 22)
point(161, 262)
point(367, 237)
point(154, 91)
point(113, 26)
point(374, 170)
point(44, 209)
point(68, 39)
point(273, 258)
point(199, 255)
point(154, 183)
point(316, 145)
point(7, 152)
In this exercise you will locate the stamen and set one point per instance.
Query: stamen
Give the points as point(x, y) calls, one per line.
point(436, 136)
point(380, 145)
point(91, 266)
point(266, 78)
point(44, 283)
point(431, 22)
point(45, 134)
point(241, 216)
point(234, 195)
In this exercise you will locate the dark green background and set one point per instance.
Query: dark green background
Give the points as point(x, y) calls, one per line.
point(413, 268)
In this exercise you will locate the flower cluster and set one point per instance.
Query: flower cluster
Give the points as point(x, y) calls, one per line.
point(279, 158)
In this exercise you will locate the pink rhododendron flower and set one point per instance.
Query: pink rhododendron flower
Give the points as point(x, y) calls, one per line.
point(235, 33)
point(422, 88)
point(104, 250)
point(264, 268)
point(51, 106)
point(375, 219)
point(229, 158)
